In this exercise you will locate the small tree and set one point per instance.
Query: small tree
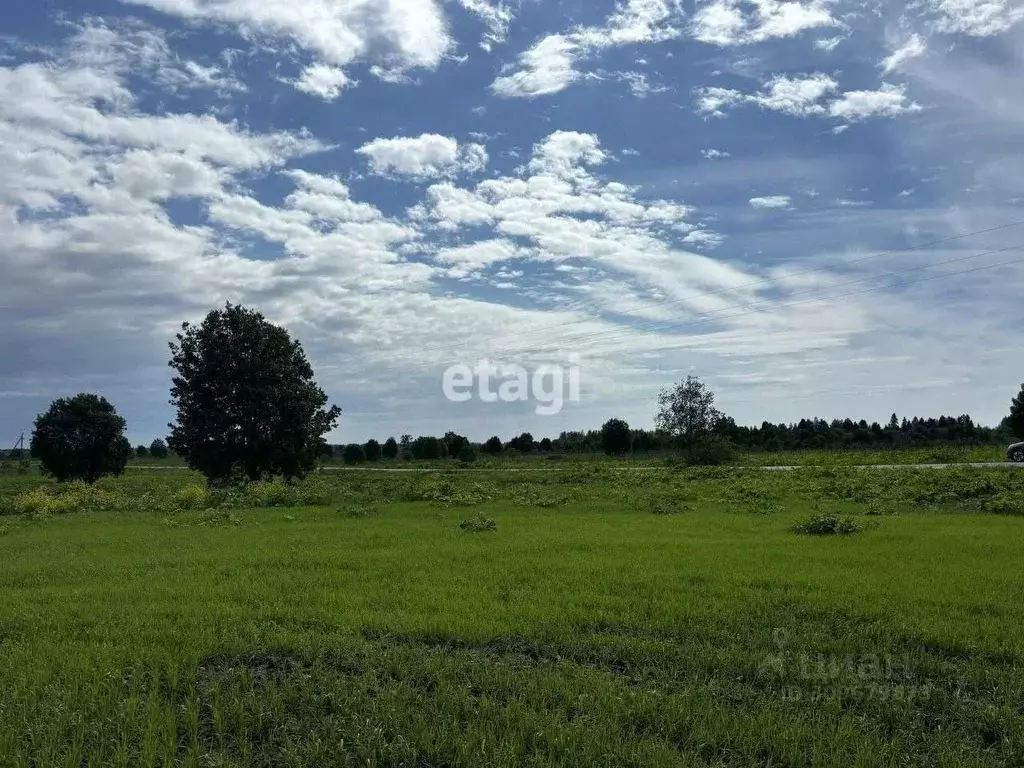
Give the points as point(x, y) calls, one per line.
point(390, 449)
point(687, 411)
point(428, 448)
point(467, 453)
point(524, 443)
point(353, 454)
point(80, 438)
point(453, 443)
point(158, 449)
point(372, 450)
point(141, 451)
point(1015, 421)
point(246, 399)
point(616, 438)
point(493, 446)
point(545, 444)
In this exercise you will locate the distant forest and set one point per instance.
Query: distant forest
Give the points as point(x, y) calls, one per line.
point(812, 434)
point(807, 434)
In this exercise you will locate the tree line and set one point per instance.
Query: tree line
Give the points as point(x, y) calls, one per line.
point(248, 408)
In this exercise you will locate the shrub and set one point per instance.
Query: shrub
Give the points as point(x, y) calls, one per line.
point(158, 449)
point(616, 438)
point(37, 503)
point(710, 451)
point(823, 524)
point(270, 494)
point(493, 446)
point(1005, 504)
point(467, 454)
point(353, 454)
point(479, 523)
point(390, 449)
point(192, 496)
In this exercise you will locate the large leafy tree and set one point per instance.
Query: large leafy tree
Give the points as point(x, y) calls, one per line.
point(390, 448)
point(158, 449)
point(246, 399)
point(1016, 419)
point(616, 438)
point(80, 438)
point(687, 410)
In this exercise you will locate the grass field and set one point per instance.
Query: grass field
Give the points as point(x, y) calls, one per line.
point(644, 618)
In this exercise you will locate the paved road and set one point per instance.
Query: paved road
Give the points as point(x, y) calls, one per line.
point(979, 465)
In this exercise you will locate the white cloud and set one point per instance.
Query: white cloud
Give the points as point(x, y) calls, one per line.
point(795, 96)
point(712, 154)
point(403, 33)
point(427, 156)
point(887, 101)
point(549, 66)
point(979, 18)
point(712, 100)
point(323, 81)
point(546, 68)
point(806, 97)
point(914, 46)
point(828, 44)
point(565, 151)
point(727, 22)
point(467, 260)
point(773, 202)
point(495, 16)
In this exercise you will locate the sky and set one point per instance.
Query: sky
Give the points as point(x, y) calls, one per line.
point(815, 206)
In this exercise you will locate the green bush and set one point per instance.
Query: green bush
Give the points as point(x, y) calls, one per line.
point(270, 493)
point(192, 496)
point(710, 451)
point(479, 523)
point(823, 524)
point(467, 454)
point(1005, 504)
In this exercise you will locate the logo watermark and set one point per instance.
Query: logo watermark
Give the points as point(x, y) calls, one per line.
point(548, 385)
point(818, 676)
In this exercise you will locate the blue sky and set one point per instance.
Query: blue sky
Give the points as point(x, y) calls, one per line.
point(815, 206)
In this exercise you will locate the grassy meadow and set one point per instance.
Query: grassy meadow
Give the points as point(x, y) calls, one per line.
point(648, 618)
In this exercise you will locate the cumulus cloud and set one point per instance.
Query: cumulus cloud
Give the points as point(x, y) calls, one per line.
point(549, 66)
point(404, 34)
point(730, 23)
point(714, 154)
point(423, 157)
point(887, 101)
point(323, 81)
point(795, 96)
point(772, 202)
point(978, 18)
point(808, 97)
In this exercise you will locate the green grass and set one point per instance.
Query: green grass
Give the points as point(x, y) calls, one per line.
point(663, 618)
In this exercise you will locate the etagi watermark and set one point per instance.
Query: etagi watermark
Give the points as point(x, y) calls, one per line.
point(549, 385)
